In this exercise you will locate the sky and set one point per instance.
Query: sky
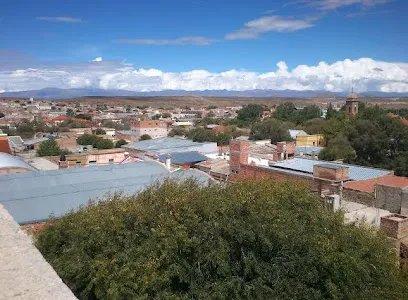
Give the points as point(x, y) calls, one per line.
point(155, 45)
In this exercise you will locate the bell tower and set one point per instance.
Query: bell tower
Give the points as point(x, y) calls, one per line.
point(352, 104)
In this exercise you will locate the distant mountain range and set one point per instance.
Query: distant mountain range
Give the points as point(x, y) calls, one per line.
point(56, 93)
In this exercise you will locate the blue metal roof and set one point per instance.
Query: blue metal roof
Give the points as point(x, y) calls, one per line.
point(165, 145)
point(35, 141)
point(306, 166)
point(308, 150)
point(180, 158)
point(32, 197)
point(10, 161)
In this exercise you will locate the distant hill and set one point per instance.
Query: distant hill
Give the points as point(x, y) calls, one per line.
point(56, 93)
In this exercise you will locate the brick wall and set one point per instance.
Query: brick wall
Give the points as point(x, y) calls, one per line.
point(389, 198)
point(359, 197)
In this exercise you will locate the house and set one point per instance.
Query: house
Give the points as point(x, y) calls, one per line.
point(92, 158)
point(216, 128)
point(219, 169)
point(154, 128)
point(295, 132)
point(314, 140)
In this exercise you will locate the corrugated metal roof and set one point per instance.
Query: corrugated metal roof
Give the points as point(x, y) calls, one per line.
point(179, 158)
point(165, 145)
point(127, 132)
point(306, 166)
point(32, 197)
point(9, 161)
point(35, 141)
point(308, 150)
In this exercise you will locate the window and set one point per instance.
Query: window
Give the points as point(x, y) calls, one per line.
point(111, 160)
point(92, 162)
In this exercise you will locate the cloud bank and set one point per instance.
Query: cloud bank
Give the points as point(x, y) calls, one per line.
point(364, 74)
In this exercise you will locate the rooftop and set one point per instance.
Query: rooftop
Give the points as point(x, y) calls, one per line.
point(180, 158)
point(369, 184)
point(9, 161)
point(165, 145)
point(32, 197)
point(305, 166)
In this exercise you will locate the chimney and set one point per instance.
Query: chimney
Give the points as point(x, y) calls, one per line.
point(63, 163)
point(168, 161)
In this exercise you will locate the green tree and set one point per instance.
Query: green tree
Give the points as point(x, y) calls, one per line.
point(166, 115)
point(315, 126)
point(120, 143)
point(104, 144)
point(250, 113)
point(211, 106)
point(200, 134)
point(177, 131)
point(338, 148)
point(99, 131)
point(49, 148)
point(70, 113)
point(88, 139)
point(84, 116)
point(250, 240)
point(272, 129)
point(330, 112)
point(128, 109)
point(144, 137)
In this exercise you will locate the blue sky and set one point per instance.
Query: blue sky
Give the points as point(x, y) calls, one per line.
point(216, 36)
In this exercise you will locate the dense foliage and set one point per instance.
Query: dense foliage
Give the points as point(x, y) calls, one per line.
point(177, 131)
point(94, 140)
point(120, 143)
point(252, 240)
point(288, 112)
point(250, 114)
point(371, 139)
point(144, 137)
point(200, 134)
point(88, 139)
point(49, 148)
point(272, 129)
point(104, 144)
point(99, 131)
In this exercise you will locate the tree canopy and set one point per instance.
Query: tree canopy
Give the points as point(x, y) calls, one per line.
point(288, 112)
point(120, 143)
point(273, 129)
point(251, 240)
point(250, 113)
point(144, 137)
point(104, 144)
point(88, 139)
point(49, 148)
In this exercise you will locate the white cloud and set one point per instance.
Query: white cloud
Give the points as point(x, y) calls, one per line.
point(98, 59)
point(60, 19)
point(256, 27)
point(187, 40)
point(334, 4)
point(364, 74)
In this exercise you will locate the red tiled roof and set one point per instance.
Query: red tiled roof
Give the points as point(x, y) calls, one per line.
point(368, 185)
point(60, 118)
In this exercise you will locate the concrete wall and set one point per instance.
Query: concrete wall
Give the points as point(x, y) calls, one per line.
point(389, 198)
point(404, 202)
point(359, 197)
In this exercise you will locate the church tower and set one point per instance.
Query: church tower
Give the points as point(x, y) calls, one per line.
point(352, 105)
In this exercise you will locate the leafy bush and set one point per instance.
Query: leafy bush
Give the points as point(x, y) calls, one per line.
point(120, 143)
point(88, 139)
point(104, 144)
point(49, 148)
point(251, 240)
point(144, 137)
